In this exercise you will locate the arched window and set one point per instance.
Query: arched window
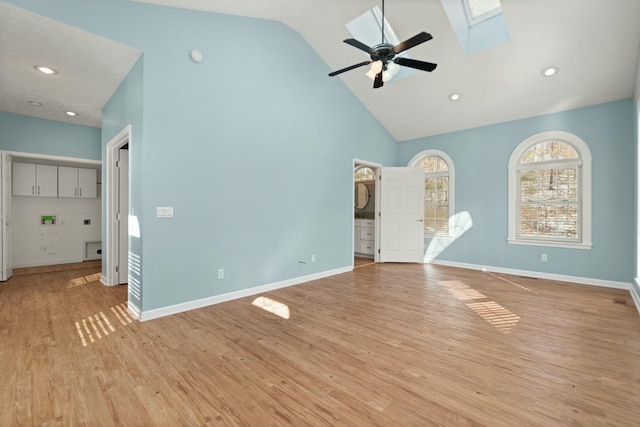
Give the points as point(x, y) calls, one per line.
point(438, 190)
point(364, 173)
point(550, 191)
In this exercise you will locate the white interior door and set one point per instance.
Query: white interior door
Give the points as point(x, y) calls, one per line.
point(5, 229)
point(123, 215)
point(402, 215)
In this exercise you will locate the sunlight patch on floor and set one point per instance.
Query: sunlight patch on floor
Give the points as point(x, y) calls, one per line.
point(83, 280)
point(272, 306)
point(460, 290)
point(122, 313)
point(95, 327)
point(498, 316)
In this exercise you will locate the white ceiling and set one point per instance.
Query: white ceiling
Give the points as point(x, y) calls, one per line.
point(594, 42)
point(90, 68)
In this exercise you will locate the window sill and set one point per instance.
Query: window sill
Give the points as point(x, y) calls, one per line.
point(569, 245)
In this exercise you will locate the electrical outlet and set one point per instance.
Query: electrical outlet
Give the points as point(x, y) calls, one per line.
point(313, 258)
point(221, 273)
point(543, 257)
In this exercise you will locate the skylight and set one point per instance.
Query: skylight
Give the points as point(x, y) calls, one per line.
point(478, 24)
point(479, 10)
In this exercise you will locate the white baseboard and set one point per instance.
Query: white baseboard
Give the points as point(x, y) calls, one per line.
point(635, 295)
point(42, 264)
point(217, 299)
point(538, 275)
point(103, 279)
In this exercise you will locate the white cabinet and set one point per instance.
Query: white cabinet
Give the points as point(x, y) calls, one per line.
point(364, 242)
point(35, 180)
point(87, 183)
point(77, 182)
point(67, 182)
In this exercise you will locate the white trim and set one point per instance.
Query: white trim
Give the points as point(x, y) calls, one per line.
point(42, 264)
point(585, 188)
point(134, 310)
point(550, 244)
point(635, 295)
point(111, 233)
point(53, 158)
point(217, 299)
point(538, 275)
point(451, 173)
point(103, 279)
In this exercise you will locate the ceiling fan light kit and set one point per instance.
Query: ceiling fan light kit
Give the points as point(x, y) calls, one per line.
point(384, 62)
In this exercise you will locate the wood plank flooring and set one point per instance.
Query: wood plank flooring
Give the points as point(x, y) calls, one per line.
point(385, 345)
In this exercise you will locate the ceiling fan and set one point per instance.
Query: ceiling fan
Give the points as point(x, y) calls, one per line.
point(384, 63)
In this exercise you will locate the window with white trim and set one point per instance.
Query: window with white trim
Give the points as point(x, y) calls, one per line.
point(438, 190)
point(550, 191)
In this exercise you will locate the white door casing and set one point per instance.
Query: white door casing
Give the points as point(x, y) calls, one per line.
point(5, 229)
point(123, 210)
point(402, 215)
point(112, 202)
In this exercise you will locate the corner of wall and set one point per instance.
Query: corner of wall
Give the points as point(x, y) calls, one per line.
point(635, 293)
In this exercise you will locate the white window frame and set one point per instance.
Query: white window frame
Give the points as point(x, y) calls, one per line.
point(584, 178)
point(437, 153)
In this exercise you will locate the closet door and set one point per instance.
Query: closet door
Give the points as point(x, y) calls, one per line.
point(67, 182)
point(24, 179)
point(46, 181)
point(87, 183)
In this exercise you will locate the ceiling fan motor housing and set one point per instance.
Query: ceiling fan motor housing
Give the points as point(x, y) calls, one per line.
point(383, 52)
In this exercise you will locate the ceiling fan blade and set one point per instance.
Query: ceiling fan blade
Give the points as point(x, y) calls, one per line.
point(335, 73)
point(413, 41)
point(378, 81)
point(414, 63)
point(355, 43)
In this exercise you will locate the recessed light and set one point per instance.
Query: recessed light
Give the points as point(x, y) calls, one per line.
point(35, 103)
point(454, 97)
point(550, 71)
point(45, 70)
point(71, 113)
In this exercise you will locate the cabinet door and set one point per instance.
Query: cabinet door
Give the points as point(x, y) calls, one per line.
point(46, 181)
point(67, 182)
point(24, 179)
point(87, 183)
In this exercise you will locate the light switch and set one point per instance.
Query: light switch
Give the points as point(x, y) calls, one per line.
point(164, 212)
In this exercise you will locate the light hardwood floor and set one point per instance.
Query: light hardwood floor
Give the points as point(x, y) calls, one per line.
point(387, 345)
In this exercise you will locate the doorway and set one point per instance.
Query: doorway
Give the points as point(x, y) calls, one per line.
point(6, 267)
point(366, 197)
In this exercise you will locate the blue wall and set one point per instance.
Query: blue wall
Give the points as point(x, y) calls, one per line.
point(253, 148)
point(32, 135)
point(123, 109)
point(481, 157)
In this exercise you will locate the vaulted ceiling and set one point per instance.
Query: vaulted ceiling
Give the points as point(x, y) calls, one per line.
point(594, 43)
